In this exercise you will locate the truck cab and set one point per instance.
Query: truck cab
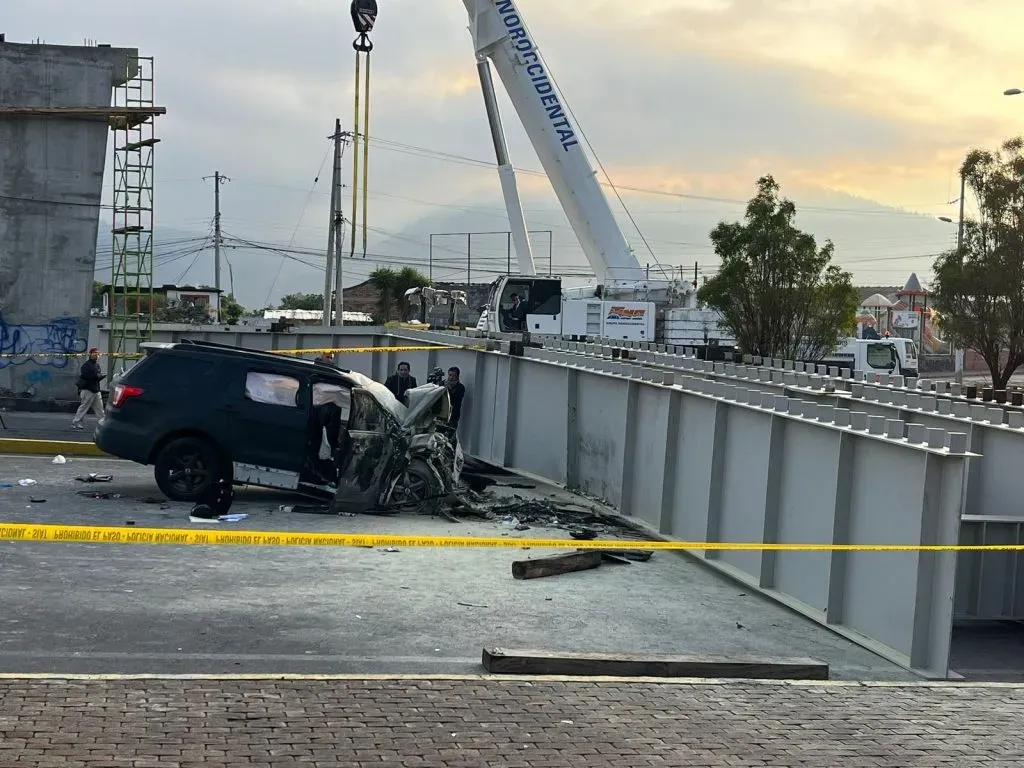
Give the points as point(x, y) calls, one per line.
point(894, 357)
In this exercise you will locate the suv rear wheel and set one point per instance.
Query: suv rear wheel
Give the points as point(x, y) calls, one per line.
point(187, 468)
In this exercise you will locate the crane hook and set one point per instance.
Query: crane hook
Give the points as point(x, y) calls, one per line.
point(364, 16)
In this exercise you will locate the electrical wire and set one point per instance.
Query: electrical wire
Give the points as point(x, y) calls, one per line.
point(316, 179)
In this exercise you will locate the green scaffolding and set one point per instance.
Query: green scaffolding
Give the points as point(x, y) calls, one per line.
point(130, 296)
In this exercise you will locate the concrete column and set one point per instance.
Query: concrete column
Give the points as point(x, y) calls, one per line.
point(51, 179)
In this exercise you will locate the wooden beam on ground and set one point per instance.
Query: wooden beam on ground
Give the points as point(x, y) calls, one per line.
point(555, 565)
point(501, 661)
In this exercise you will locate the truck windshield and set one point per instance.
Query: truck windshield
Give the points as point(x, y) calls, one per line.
point(881, 356)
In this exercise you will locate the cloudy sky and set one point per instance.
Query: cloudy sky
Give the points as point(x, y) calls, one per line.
point(862, 109)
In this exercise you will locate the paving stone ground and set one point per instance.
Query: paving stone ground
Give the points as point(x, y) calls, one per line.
point(478, 723)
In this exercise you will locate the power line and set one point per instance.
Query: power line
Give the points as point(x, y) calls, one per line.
point(425, 152)
point(302, 213)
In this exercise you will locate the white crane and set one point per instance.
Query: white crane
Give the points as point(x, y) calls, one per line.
point(622, 304)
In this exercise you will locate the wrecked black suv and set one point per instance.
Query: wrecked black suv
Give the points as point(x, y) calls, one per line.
point(203, 413)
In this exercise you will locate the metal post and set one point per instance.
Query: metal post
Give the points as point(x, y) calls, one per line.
point(550, 250)
point(331, 228)
point(430, 262)
point(469, 259)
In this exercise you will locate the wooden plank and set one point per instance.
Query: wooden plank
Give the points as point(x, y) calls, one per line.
point(540, 567)
point(502, 661)
point(83, 112)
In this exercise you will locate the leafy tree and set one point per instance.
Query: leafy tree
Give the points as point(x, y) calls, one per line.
point(302, 301)
point(384, 280)
point(408, 277)
point(391, 287)
point(778, 292)
point(230, 309)
point(184, 312)
point(979, 287)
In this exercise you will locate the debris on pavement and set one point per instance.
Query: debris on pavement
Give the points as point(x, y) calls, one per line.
point(26, 482)
point(37, 501)
point(99, 495)
point(556, 565)
point(58, 459)
point(94, 477)
point(6, 485)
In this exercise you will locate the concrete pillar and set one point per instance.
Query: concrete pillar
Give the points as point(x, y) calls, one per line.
point(51, 179)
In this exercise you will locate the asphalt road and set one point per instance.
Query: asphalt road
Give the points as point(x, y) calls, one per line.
point(90, 608)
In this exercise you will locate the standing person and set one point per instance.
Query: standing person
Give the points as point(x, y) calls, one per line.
point(401, 381)
point(88, 383)
point(456, 393)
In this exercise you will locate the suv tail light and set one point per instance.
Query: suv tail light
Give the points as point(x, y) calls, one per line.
point(122, 393)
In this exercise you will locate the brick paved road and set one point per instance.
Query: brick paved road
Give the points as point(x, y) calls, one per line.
point(514, 724)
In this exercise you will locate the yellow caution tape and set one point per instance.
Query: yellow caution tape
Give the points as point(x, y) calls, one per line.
point(89, 534)
point(319, 350)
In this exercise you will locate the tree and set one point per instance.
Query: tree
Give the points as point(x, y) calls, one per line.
point(391, 287)
point(302, 301)
point(383, 280)
point(408, 277)
point(230, 309)
point(778, 292)
point(978, 288)
point(184, 312)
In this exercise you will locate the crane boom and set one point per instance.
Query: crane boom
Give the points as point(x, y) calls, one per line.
point(500, 34)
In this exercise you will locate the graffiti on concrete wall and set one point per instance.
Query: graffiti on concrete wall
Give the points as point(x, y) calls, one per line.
point(50, 344)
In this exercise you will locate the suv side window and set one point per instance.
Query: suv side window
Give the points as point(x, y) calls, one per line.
point(171, 372)
point(272, 389)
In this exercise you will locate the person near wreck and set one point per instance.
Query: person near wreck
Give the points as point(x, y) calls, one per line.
point(89, 396)
point(401, 381)
point(456, 393)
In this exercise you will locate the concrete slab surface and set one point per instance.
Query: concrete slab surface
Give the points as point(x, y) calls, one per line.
point(77, 608)
point(508, 723)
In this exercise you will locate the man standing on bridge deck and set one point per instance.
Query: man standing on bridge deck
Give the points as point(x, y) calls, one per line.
point(88, 383)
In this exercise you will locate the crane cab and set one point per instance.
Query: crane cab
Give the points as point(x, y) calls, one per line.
point(523, 303)
point(544, 310)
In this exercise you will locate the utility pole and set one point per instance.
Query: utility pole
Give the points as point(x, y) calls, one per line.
point(339, 233)
point(218, 179)
point(332, 256)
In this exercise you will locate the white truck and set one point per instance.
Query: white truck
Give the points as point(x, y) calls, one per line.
point(624, 303)
point(888, 356)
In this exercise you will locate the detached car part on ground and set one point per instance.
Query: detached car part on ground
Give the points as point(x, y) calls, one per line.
point(204, 413)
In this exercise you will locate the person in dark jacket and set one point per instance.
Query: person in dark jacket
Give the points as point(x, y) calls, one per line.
point(89, 396)
point(401, 381)
point(456, 393)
